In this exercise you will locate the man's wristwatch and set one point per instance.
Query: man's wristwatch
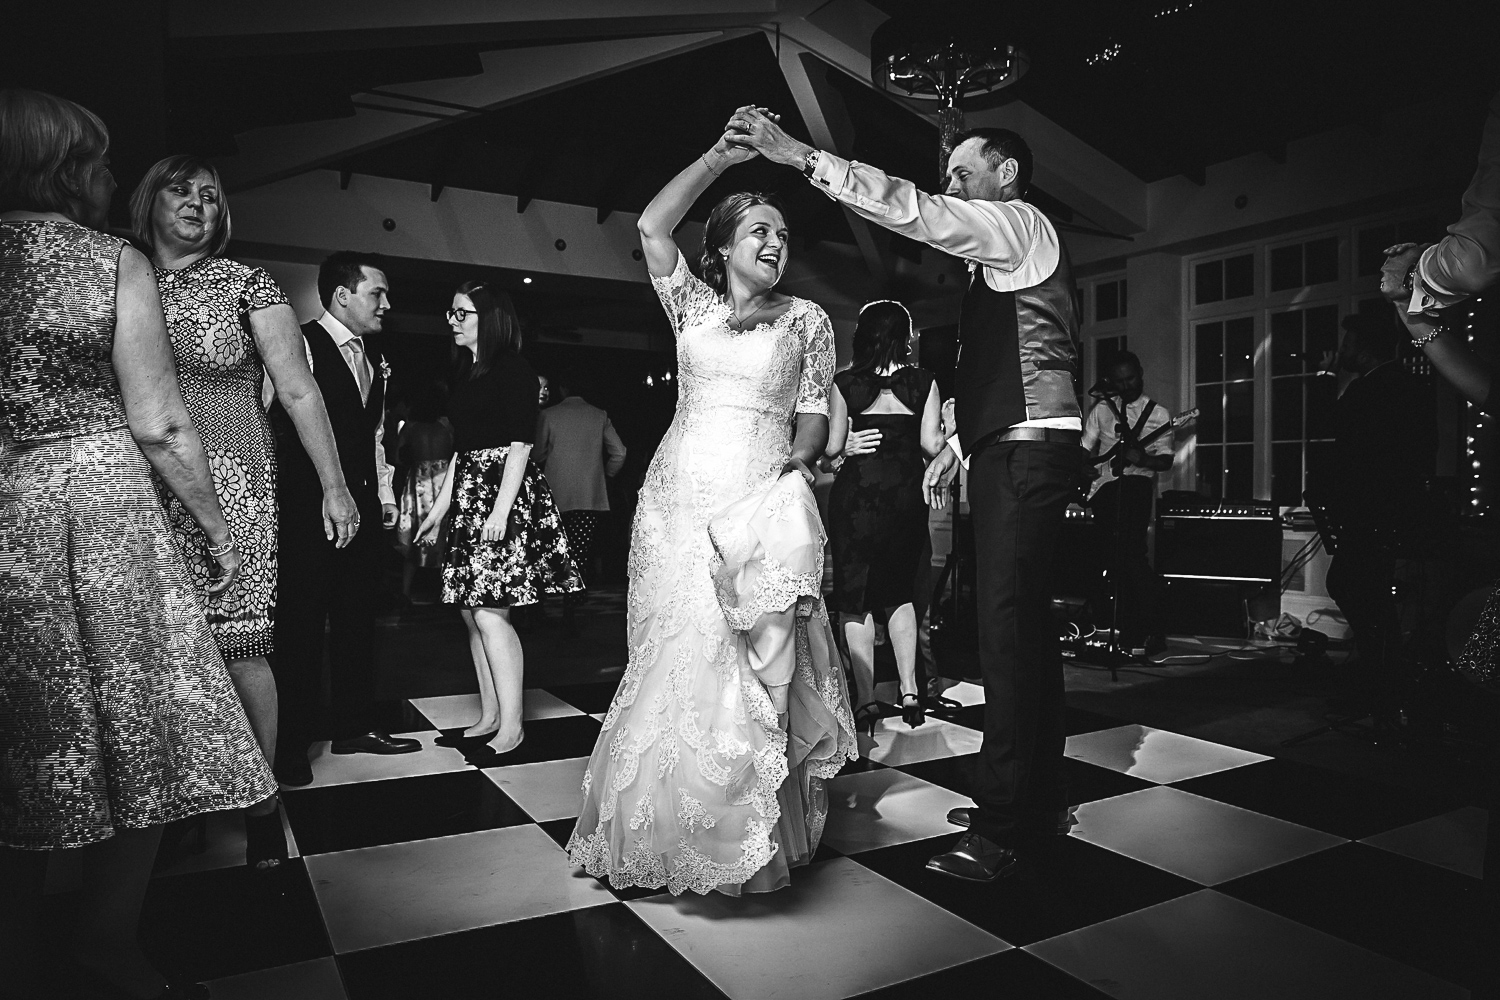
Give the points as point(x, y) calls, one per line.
point(810, 163)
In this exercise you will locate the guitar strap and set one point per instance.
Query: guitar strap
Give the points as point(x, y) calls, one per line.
point(1134, 433)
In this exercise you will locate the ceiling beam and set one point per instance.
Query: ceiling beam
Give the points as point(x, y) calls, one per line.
point(509, 76)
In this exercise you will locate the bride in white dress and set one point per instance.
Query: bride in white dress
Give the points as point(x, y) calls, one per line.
point(708, 773)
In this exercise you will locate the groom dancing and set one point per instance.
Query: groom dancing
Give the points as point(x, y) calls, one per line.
point(1019, 421)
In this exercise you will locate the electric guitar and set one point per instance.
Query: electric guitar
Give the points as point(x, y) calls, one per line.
point(1115, 457)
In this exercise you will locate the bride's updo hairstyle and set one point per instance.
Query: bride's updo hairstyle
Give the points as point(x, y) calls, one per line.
point(882, 337)
point(719, 232)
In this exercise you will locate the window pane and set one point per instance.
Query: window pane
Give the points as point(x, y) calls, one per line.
point(1210, 352)
point(1322, 328)
point(1322, 392)
point(1239, 276)
point(1211, 471)
point(1286, 408)
point(1239, 472)
point(1105, 349)
point(1211, 414)
point(1286, 343)
point(1319, 465)
point(1321, 260)
point(1208, 282)
point(1286, 267)
point(1371, 248)
point(1239, 411)
point(1239, 349)
point(1286, 474)
point(1123, 311)
point(1106, 301)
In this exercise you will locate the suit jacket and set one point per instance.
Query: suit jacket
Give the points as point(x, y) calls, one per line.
point(572, 440)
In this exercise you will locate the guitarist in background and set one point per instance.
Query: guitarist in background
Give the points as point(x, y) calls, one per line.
point(1129, 440)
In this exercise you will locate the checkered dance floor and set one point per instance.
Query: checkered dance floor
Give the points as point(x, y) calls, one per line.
point(1195, 871)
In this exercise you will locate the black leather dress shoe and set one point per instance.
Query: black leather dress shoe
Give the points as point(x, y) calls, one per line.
point(375, 743)
point(1066, 820)
point(975, 859)
point(294, 770)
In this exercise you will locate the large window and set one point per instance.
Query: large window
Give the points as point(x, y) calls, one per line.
point(1225, 396)
point(1109, 301)
point(1301, 399)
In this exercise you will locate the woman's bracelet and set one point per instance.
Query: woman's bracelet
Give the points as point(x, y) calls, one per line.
point(721, 158)
point(1427, 338)
point(222, 550)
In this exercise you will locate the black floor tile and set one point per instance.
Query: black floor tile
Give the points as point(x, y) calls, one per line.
point(1425, 916)
point(1014, 974)
point(553, 739)
point(368, 813)
point(953, 773)
point(591, 699)
point(859, 765)
point(204, 925)
point(1061, 886)
point(1075, 720)
point(603, 951)
point(1337, 803)
point(1086, 782)
point(561, 829)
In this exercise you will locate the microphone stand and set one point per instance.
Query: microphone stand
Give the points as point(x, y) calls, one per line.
point(1113, 653)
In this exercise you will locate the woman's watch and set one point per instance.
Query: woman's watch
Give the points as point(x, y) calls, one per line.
point(810, 163)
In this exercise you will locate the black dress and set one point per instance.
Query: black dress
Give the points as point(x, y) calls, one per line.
point(488, 413)
point(877, 520)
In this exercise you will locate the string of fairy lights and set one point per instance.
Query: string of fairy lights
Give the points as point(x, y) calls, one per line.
point(1476, 431)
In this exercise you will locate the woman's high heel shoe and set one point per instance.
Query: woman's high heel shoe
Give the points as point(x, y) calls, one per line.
point(912, 712)
point(866, 716)
point(265, 841)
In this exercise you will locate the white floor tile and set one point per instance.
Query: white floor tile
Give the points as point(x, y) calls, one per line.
point(1197, 838)
point(1155, 754)
point(896, 743)
point(315, 980)
point(451, 711)
point(342, 769)
point(401, 892)
point(881, 808)
point(549, 790)
point(1453, 840)
point(966, 693)
point(1208, 945)
point(838, 930)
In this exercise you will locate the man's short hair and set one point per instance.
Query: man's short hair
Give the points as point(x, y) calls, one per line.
point(345, 269)
point(1001, 144)
point(1119, 358)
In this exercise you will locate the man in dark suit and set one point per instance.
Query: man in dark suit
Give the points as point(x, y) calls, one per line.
point(1020, 421)
point(327, 594)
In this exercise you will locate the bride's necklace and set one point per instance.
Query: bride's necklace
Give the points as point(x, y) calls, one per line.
point(737, 324)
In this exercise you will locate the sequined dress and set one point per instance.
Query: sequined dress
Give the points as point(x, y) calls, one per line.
point(705, 776)
point(115, 706)
point(208, 305)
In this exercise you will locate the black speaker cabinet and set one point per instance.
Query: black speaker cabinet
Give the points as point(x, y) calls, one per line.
point(1212, 561)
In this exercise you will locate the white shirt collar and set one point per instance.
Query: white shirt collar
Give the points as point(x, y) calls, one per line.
point(337, 330)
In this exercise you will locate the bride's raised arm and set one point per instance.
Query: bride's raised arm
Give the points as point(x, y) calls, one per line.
point(673, 201)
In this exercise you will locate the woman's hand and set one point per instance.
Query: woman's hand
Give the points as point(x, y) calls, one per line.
point(340, 516)
point(494, 525)
point(1398, 261)
point(863, 442)
point(229, 570)
point(797, 465)
point(759, 130)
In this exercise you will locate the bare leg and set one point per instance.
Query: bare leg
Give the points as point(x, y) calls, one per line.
point(859, 635)
point(489, 704)
point(502, 648)
point(22, 873)
point(116, 873)
point(902, 630)
point(256, 686)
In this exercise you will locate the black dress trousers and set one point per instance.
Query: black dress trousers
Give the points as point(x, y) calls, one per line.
point(1018, 492)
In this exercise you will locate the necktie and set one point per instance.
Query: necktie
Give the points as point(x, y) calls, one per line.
point(361, 367)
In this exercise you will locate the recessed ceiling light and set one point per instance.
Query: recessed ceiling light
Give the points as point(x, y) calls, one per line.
point(525, 281)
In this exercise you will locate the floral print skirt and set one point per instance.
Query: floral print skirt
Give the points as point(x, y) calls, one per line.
point(532, 558)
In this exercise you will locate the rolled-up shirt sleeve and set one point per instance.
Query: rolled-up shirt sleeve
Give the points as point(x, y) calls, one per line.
point(1010, 238)
point(1467, 260)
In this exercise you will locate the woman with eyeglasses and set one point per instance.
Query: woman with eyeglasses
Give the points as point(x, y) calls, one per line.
point(506, 545)
point(885, 418)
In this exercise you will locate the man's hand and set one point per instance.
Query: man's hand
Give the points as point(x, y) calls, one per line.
point(1136, 457)
point(388, 515)
point(940, 474)
point(754, 128)
point(1398, 261)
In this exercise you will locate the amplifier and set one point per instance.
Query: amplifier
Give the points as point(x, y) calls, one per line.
point(1213, 556)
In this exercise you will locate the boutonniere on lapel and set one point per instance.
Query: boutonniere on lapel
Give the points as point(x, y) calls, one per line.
point(385, 370)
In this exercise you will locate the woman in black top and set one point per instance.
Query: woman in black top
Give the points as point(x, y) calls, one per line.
point(506, 545)
point(877, 520)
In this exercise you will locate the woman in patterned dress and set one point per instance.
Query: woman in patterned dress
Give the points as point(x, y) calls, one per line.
point(506, 545)
point(116, 713)
point(708, 772)
point(231, 326)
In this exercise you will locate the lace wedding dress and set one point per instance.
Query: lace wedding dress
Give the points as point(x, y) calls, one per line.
point(708, 773)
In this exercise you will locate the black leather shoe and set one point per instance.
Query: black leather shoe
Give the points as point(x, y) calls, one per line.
point(975, 859)
point(294, 770)
point(375, 743)
point(1066, 820)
